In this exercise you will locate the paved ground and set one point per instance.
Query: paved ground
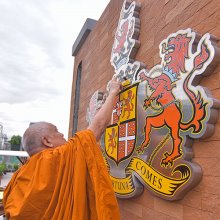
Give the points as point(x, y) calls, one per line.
point(5, 179)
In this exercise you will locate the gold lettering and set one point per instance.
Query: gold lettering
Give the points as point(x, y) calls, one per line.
point(154, 180)
point(138, 163)
point(148, 175)
point(120, 185)
point(143, 170)
point(160, 183)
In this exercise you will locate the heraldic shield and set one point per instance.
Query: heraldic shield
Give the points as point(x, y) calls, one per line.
point(120, 136)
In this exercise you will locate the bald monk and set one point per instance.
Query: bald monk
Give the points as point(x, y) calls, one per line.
point(64, 180)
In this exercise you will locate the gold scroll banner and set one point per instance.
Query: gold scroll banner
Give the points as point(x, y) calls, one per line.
point(157, 181)
point(150, 177)
point(123, 186)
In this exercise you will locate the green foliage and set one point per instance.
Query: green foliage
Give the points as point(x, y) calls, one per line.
point(15, 166)
point(9, 166)
point(15, 142)
point(2, 168)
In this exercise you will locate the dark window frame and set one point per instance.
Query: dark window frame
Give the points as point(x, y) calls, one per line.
point(77, 98)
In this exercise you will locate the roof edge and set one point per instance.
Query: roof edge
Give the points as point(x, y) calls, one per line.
point(83, 34)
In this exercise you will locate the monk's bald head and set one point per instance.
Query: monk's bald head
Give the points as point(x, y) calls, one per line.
point(32, 138)
point(40, 136)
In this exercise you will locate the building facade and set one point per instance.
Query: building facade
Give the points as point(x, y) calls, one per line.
point(92, 71)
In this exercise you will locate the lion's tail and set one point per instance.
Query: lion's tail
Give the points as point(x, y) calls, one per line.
point(198, 109)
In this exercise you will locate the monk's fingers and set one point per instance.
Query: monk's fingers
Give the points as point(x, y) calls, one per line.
point(114, 85)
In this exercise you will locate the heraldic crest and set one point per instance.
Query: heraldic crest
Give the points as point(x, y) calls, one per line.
point(159, 111)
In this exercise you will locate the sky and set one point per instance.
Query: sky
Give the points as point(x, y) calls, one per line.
point(36, 63)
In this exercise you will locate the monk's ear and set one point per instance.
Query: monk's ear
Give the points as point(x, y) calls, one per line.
point(46, 142)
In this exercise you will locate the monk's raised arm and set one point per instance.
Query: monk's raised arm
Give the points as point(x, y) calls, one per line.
point(103, 116)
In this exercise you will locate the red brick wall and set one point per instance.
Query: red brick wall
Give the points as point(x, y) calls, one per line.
point(159, 18)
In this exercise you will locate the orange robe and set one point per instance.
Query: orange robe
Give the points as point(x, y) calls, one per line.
point(63, 183)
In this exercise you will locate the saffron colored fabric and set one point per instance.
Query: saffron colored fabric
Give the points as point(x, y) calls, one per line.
point(63, 183)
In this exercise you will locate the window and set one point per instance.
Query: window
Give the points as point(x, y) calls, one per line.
point(77, 98)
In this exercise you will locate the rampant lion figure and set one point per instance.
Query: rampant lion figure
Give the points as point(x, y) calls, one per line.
point(174, 52)
point(112, 140)
point(122, 37)
point(128, 104)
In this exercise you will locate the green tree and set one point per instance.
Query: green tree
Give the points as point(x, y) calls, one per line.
point(16, 166)
point(15, 142)
point(9, 166)
point(2, 168)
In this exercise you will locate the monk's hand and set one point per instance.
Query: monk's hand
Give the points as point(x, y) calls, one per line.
point(114, 86)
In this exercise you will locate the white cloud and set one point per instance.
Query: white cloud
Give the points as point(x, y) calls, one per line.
point(36, 39)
